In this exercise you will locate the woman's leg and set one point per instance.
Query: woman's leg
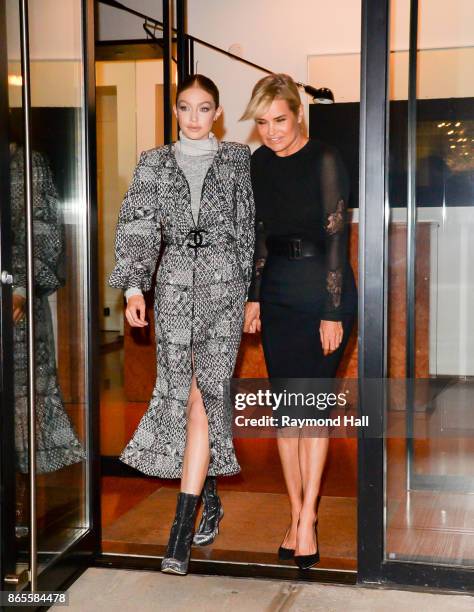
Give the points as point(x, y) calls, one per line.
point(285, 345)
point(195, 465)
point(288, 449)
point(194, 479)
point(196, 454)
point(312, 458)
point(313, 450)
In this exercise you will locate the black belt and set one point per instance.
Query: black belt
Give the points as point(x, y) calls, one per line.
point(293, 248)
point(197, 239)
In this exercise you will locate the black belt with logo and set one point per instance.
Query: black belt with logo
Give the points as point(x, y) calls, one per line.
point(292, 247)
point(197, 239)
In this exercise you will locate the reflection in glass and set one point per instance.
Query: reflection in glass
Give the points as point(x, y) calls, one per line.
point(57, 131)
point(57, 444)
point(60, 275)
point(18, 241)
point(429, 501)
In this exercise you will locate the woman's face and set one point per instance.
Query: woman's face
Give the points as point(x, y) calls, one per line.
point(196, 112)
point(280, 128)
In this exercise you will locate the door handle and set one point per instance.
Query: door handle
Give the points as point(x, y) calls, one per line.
point(6, 278)
point(18, 580)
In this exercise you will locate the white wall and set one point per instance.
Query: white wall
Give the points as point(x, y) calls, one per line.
point(117, 25)
point(442, 73)
point(441, 24)
point(273, 33)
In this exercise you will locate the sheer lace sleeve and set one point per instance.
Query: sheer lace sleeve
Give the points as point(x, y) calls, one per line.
point(334, 196)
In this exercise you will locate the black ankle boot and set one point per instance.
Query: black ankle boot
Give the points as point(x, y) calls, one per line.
point(176, 560)
point(212, 514)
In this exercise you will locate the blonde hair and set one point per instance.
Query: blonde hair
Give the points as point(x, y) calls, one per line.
point(280, 86)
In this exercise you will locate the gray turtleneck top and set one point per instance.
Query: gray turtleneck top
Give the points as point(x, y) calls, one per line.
point(194, 157)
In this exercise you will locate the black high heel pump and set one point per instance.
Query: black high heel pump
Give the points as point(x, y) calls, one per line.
point(305, 562)
point(285, 554)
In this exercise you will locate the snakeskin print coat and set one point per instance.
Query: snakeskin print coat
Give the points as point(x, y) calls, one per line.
point(56, 441)
point(201, 287)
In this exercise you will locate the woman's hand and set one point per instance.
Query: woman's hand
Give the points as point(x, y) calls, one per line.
point(18, 307)
point(252, 322)
point(136, 310)
point(331, 333)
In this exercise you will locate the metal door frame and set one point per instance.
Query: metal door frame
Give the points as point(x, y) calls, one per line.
point(373, 568)
point(7, 446)
point(68, 565)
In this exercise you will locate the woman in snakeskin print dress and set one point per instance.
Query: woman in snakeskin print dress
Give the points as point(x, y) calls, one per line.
point(56, 442)
point(201, 287)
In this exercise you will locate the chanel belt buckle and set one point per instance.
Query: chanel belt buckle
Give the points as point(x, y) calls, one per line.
point(294, 248)
point(197, 236)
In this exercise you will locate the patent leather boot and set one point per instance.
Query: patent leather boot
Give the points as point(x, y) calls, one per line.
point(176, 560)
point(212, 514)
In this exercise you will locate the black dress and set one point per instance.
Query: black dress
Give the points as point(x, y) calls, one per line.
point(303, 196)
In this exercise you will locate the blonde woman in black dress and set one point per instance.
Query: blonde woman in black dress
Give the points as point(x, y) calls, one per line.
point(303, 295)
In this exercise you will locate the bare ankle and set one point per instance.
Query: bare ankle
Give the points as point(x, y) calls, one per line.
point(308, 514)
point(295, 515)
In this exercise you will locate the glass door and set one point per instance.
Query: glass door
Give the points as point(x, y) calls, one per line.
point(430, 480)
point(416, 514)
point(12, 570)
point(49, 526)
